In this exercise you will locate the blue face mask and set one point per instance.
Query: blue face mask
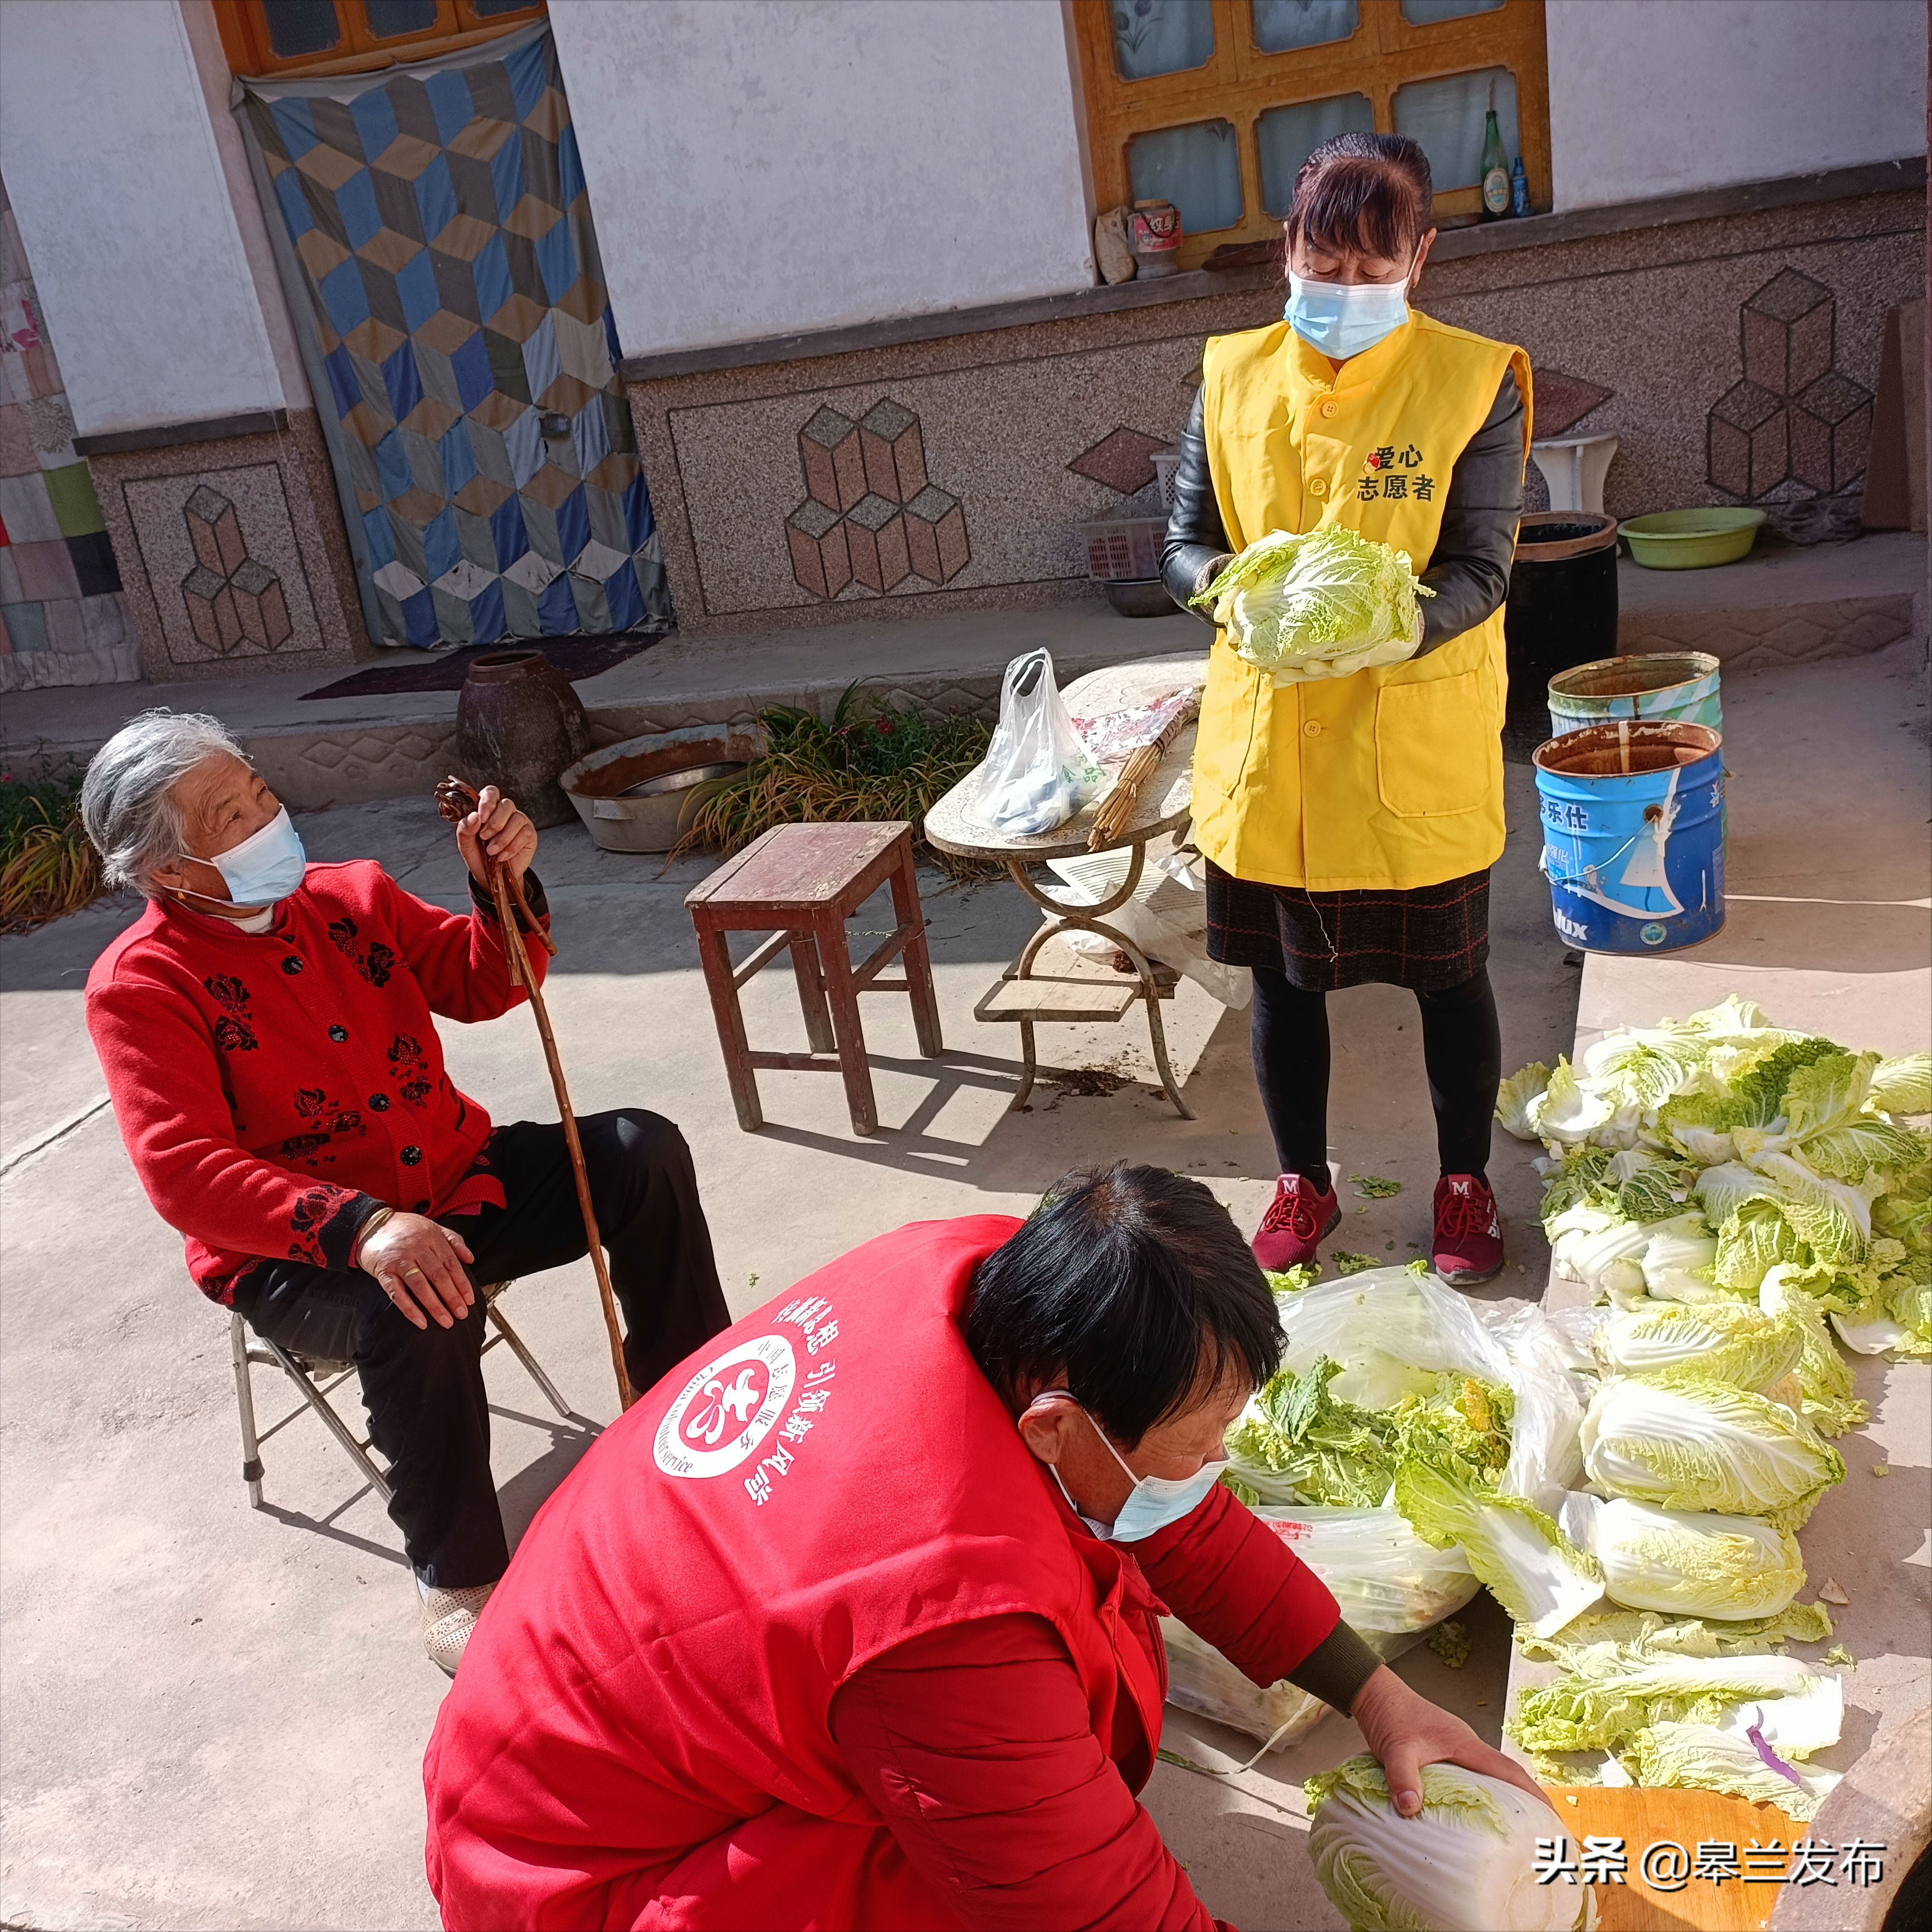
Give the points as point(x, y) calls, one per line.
point(267, 865)
point(1342, 319)
point(1155, 1501)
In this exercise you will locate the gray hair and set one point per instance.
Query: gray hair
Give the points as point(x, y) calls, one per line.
point(127, 799)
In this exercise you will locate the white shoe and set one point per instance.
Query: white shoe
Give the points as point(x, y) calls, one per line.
point(448, 1619)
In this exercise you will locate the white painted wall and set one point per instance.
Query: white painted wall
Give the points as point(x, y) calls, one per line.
point(118, 185)
point(760, 167)
point(1663, 97)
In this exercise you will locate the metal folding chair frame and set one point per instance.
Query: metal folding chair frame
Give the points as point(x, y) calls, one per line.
point(314, 1380)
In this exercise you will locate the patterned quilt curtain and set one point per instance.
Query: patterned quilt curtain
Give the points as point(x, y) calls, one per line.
point(436, 239)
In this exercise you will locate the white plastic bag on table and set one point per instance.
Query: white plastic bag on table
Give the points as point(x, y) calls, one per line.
point(1393, 1588)
point(1200, 1679)
point(1166, 918)
point(1037, 772)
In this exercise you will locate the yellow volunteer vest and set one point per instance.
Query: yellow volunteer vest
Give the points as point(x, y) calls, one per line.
point(1391, 778)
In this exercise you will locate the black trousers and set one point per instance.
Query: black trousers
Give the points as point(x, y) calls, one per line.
point(1462, 1049)
point(424, 1386)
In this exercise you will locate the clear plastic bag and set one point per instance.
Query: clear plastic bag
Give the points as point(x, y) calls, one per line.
point(1392, 1586)
point(1200, 1679)
point(1390, 1329)
point(1037, 772)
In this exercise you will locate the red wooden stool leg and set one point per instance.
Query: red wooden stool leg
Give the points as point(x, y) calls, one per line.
point(811, 978)
point(713, 949)
point(918, 961)
point(836, 960)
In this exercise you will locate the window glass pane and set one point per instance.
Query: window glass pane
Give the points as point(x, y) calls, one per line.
point(1287, 136)
point(1282, 24)
point(1426, 13)
point(389, 18)
point(1198, 168)
point(300, 26)
point(483, 9)
point(1447, 117)
point(1154, 37)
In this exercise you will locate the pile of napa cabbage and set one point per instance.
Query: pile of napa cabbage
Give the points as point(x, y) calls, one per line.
point(1693, 1161)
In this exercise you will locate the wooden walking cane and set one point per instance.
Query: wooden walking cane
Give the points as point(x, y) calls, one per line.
point(456, 801)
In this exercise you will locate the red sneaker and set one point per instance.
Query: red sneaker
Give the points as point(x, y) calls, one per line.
point(1298, 1216)
point(1468, 1247)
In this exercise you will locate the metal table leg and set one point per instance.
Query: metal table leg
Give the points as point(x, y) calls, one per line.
point(1090, 919)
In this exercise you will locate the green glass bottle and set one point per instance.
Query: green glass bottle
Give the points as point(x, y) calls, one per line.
point(1495, 172)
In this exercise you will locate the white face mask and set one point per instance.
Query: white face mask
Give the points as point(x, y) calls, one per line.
point(267, 865)
point(1343, 318)
point(1155, 1501)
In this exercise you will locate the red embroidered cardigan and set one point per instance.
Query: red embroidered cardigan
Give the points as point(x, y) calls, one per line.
point(273, 1088)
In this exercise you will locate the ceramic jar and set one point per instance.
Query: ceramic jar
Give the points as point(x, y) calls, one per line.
point(518, 723)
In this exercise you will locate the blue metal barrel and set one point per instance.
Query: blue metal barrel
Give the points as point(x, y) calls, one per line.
point(1633, 835)
point(1659, 687)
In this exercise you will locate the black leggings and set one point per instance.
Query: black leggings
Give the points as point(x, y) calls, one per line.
point(1461, 1047)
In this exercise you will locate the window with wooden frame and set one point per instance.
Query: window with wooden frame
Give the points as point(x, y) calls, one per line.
point(273, 37)
point(1213, 105)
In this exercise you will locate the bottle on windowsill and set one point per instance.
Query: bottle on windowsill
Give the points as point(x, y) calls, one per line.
point(1496, 171)
point(1519, 189)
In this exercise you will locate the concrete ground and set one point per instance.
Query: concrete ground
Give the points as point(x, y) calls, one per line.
point(215, 1718)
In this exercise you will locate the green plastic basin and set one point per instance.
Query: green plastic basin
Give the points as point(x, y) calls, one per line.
point(1691, 539)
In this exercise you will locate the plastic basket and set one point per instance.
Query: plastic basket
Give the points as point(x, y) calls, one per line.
point(1124, 549)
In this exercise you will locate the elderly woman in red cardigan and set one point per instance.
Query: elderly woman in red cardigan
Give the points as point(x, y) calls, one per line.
point(267, 1031)
point(854, 1620)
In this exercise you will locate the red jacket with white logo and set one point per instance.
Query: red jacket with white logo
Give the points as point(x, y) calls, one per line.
point(643, 1733)
point(273, 1088)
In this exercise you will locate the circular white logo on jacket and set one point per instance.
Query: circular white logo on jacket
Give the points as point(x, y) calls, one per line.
point(727, 1409)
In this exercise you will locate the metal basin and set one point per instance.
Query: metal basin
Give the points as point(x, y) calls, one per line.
point(638, 795)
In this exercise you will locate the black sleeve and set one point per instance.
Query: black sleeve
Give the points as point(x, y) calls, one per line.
point(1469, 568)
point(1196, 545)
point(533, 892)
point(1336, 1670)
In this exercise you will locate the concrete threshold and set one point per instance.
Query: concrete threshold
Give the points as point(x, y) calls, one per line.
point(318, 752)
point(1780, 606)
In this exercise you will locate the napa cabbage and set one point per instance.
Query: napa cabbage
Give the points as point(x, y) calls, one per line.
point(1707, 1758)
point(1466, 1863)
point(1540, 1578)
point(1692, 1563)
point(1691, 1443)
point(1324, 604)
point(1612, 1695)
point(1824, 1376)
point(1297, 1441)
point(1726, 1340)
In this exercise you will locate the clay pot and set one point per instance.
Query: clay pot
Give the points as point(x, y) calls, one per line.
point(518, 723)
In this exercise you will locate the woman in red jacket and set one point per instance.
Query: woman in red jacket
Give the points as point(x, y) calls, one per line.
point(854, 1622)
point(268, 1030)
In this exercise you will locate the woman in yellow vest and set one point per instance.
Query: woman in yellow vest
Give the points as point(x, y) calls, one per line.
point(1349, 823)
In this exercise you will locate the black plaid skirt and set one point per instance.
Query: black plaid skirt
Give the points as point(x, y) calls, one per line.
point(1431, 937)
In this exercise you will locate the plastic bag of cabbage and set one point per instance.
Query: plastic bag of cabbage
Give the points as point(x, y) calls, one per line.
point(1453, 1422)
point(1200, 1679)
point(1387, 1366)
point(1686, 1161)
point(1467, 1864)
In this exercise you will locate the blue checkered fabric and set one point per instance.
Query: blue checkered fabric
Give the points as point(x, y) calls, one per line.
point(443, 231)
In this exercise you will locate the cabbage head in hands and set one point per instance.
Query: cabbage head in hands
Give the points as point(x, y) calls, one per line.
point(1467, 1863)
point(1325, 604)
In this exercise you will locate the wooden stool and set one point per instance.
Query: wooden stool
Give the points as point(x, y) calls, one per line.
point(800, 883)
